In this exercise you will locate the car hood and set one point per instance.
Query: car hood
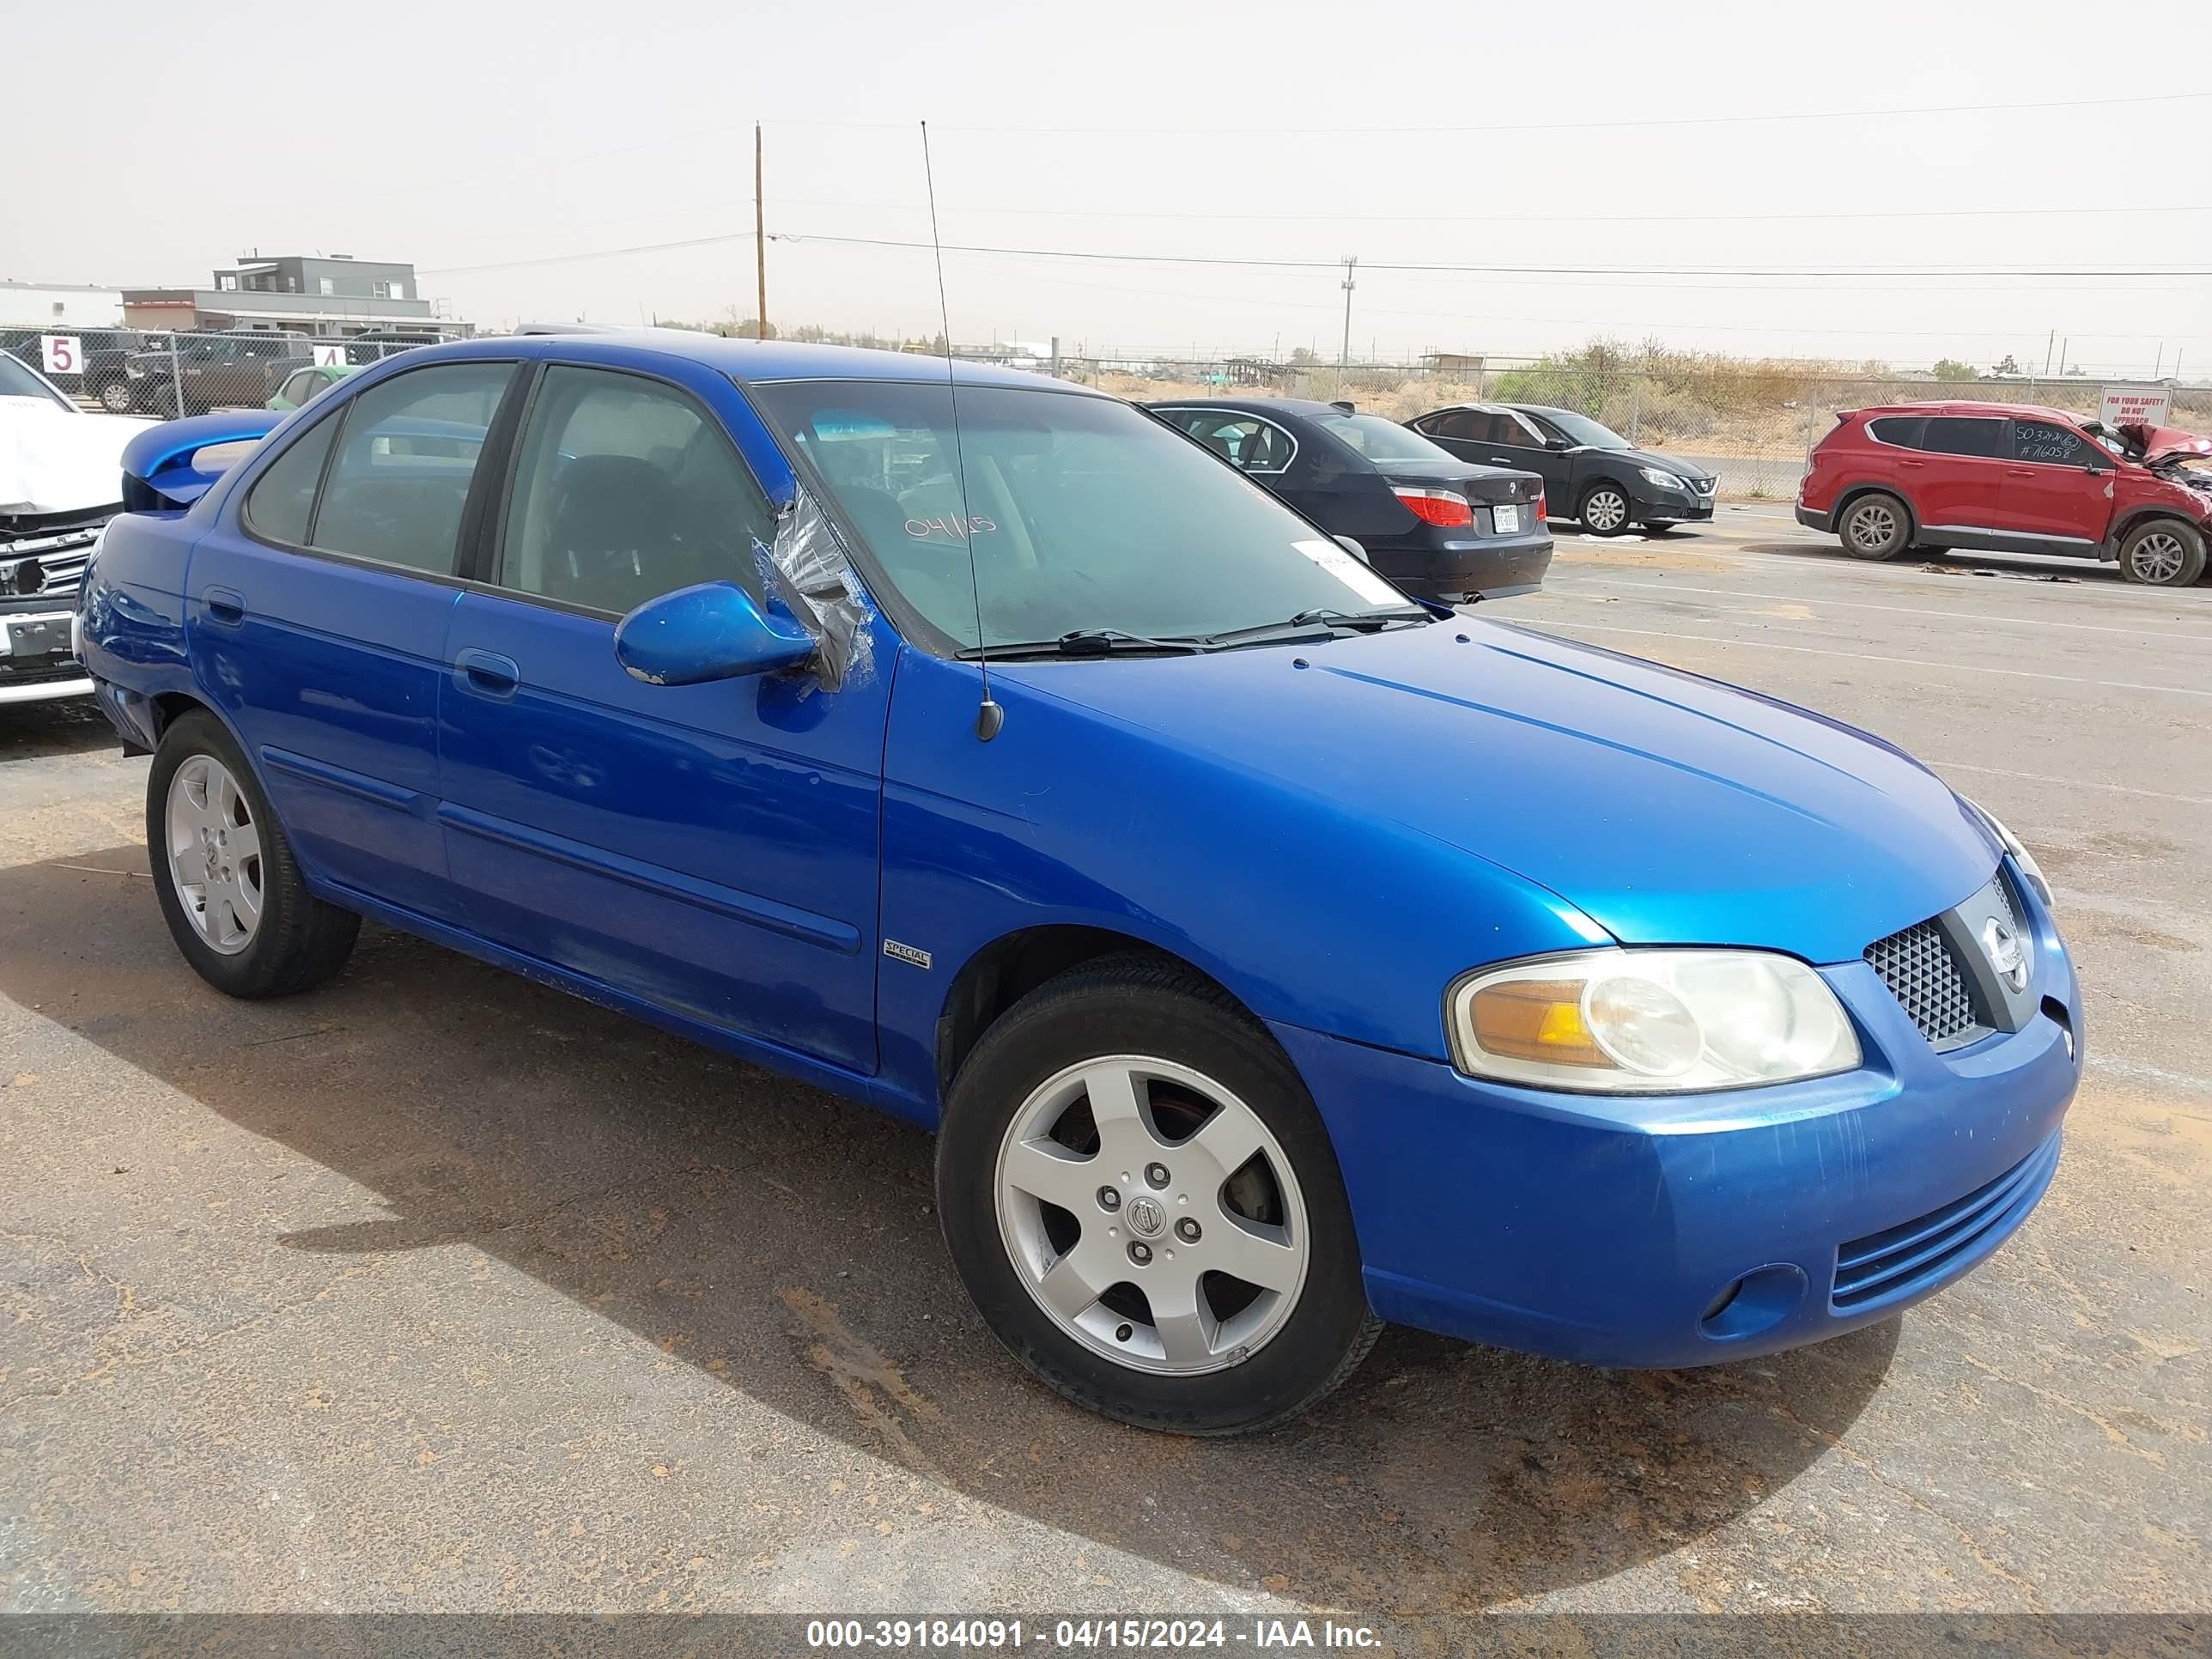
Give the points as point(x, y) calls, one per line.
point(54, 461)
point(1667, 808)
point(1680, 469)
point(2166, 443)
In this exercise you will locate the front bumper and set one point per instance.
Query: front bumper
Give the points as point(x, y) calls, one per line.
point(36, 661)
point(1673, 506)
point(1452, 571)
point(1813, 519)
point(1609, 1231)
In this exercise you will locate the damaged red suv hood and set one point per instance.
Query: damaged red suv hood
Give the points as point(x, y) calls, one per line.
point(2166, 443)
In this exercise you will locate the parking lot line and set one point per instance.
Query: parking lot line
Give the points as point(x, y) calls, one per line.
point(2070, 783)
point(1863, 604)
point(1867, 656)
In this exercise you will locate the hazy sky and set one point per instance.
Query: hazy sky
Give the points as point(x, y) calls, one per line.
point(1600, 134)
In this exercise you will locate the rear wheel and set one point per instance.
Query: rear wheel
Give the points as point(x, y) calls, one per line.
point(1605, 509)
point(115, 397)
point(1875, 526)
point(1141, 1197)
point(229, 888)
point(2163, 553)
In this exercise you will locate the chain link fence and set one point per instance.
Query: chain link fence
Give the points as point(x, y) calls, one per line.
point(137, 372)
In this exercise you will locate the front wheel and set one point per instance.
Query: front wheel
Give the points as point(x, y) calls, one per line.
point(1141, 1199)
point(2164, 553)
point(229, 885)
point(115, 397)
point(1605, 509)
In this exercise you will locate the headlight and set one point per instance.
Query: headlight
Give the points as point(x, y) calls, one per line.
point(1664, 480)
point(2020, 856)
point(1648, 1022)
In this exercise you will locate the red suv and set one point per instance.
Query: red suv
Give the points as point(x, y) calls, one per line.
point(2005, 478)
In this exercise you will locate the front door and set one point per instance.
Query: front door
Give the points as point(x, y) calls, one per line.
point(317, 620)
point(2059, 484)
point(711, 848)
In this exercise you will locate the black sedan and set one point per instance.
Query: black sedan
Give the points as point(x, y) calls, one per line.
point(1589, 470)
point(1440, 528)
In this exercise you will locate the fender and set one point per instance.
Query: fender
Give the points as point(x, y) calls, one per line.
point(160, 464)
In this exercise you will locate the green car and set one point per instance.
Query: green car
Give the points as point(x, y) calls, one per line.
point(302, 384)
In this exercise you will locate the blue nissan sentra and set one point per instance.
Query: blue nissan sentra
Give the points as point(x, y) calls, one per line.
point(1273, 955)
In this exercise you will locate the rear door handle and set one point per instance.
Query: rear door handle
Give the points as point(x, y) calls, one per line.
point(2019, 472)
point(226, 605)
point(486, 673)
point(1914, 467)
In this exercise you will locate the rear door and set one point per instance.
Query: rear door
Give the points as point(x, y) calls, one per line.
point(317, 617)
point(1963, 485)
point(2059, 485)
point(710, 849)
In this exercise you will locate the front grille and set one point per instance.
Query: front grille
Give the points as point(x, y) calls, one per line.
point(1889, 1265)
point(1918, 966)
point(46, 555)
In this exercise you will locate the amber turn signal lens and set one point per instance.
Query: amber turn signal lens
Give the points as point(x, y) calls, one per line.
point(1536, 1020)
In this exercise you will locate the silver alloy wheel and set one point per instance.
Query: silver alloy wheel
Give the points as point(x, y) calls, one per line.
point(115, 397)
point(1871, 526)
point(2156, 558)
point(215, 853)
point(1605, 510)
point(1155, 1214)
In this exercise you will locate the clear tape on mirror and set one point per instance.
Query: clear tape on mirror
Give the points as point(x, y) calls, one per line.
point(808, 575)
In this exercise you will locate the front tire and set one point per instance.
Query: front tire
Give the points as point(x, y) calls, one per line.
point(230, 886)
point(1141, 1197)
point(1875, 526)
point(2163, 553)
point(115, 397)
point(1605, 509)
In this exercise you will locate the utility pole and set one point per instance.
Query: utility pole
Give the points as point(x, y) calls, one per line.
point(2161, 361)
point(759, 241)
point(2062, 344)
point(1344, 357)
point(2047, 345)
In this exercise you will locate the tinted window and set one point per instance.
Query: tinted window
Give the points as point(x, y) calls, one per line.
point(1379, 439)
point(1469, 425)
point(1953, 434)
point(2051, 445)
point(1080, 512)
point(283, 497)
point(401, 475)
point(1903, 430)
point(627, 489)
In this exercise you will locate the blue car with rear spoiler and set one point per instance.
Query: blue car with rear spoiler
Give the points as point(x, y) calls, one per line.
point(1274, 953)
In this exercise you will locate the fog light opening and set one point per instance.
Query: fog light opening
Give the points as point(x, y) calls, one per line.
point(1757, 1301)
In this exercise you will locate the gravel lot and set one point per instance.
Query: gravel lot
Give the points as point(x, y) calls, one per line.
point(434, 1290)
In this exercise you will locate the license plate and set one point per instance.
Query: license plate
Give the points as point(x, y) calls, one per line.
point(1508, 519)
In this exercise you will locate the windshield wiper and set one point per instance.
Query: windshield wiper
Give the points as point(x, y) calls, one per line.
point(1084, 643)
point(1306, 621)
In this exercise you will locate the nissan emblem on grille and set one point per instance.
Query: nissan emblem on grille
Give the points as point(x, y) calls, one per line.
point(2005, 953)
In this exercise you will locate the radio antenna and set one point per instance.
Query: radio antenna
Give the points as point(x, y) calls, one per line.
point(989, 717)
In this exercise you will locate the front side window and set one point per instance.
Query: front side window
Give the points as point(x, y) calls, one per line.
point(1954, 434)
point(2040, 443)
point(1581, 429)
point(626, 489)
point(1081, 513)
point(404, 462)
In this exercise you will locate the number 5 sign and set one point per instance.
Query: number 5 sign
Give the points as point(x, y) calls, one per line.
point(62, 354)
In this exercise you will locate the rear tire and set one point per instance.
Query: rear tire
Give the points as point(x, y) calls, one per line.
point(1605, 508)
point(230, 886)
point(2163, 553)
point(1124, 1087)
point(115, 397)
point(1877, 525)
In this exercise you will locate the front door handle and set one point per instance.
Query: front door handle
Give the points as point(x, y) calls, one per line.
point(226, 605)
point(486, 673)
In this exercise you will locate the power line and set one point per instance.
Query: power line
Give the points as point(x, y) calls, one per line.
point(595, 253)
point(2107, 273)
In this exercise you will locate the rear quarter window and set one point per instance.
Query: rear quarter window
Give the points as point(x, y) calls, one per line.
point(1903, 431)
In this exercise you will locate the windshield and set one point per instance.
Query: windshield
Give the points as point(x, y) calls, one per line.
point(1581, 429)
point(17, 381)
point(1084, 513)
point(1379, 439)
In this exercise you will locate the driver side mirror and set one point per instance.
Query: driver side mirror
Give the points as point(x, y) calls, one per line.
point(1354, 548)
point(711, 632)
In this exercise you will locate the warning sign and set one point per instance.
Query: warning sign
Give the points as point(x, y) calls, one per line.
point(2153, 406)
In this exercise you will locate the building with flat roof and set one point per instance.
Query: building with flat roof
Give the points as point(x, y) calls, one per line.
point(331, 294)
point(63, 306)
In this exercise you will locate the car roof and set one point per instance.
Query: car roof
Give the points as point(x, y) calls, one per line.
point(1306, 406)
point(1968, 406)
point(748, 362)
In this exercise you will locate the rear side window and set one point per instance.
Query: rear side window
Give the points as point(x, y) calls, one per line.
point(1244, 440)
point(283, 499)
point(401, 475)
point(627, 489)
point(1472, 426)
point(1954, 434)
point(1902, 430)
point(2045, 445)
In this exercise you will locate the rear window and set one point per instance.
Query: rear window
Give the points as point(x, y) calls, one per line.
point(1379, 439)
point(1903, 430)
point(1957, 435)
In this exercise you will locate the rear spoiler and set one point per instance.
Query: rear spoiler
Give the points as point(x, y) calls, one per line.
point(161, 467)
